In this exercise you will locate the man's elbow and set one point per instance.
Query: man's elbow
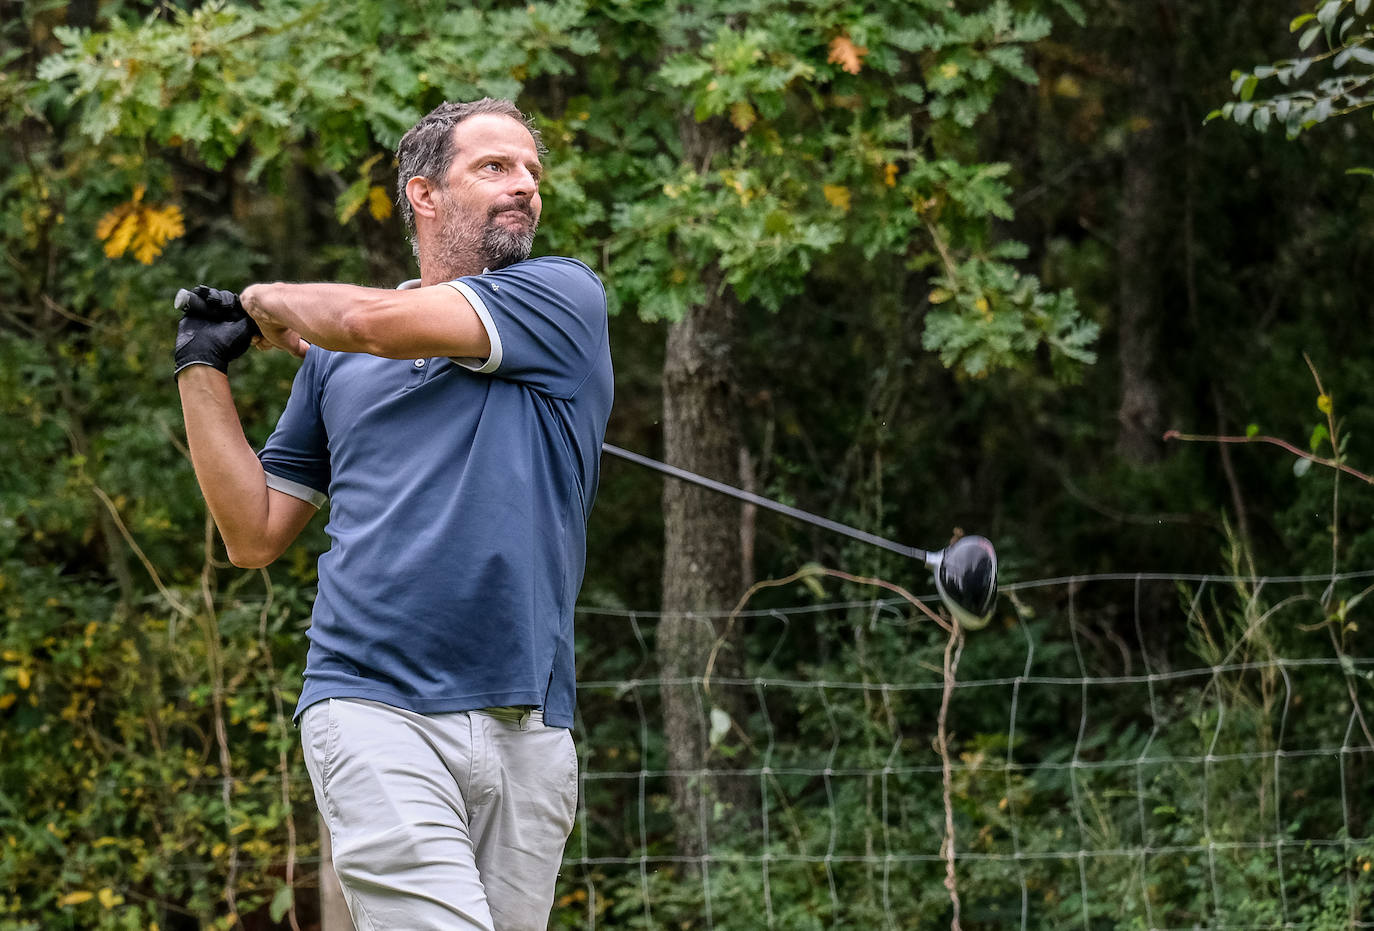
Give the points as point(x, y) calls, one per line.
point(250, 555)
point(362, 331)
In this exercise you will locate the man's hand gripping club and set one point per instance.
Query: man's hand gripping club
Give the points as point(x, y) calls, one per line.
point(214, 329)
point(257, 523)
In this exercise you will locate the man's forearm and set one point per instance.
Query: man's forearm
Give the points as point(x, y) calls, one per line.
point(331, 316)
point(396, 324)
point(231, 477)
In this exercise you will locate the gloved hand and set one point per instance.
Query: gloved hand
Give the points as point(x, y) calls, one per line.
point(214, 329)
point(209, 304)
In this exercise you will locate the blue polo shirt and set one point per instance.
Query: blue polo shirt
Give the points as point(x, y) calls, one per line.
point(459, 492)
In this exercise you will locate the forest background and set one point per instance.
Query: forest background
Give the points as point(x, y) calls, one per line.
point(923, 267)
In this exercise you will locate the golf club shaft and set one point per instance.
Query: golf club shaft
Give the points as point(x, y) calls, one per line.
point(864, 536)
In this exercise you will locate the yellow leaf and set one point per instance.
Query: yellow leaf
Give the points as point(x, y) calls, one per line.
point(109, 898)
point(23, 678)
point(107, 223)
point(378, 204)
point(165, 223)
point(9, 698)
point(159, 226)
point(939, 296)
point(846, 54)
point(982, 305)
point(123, 233)
point(838, 196)
point(75, 898)
point(1067, 86)
point(890, 175)
point(1324, 403)
point(742, 115)
point(144, 228)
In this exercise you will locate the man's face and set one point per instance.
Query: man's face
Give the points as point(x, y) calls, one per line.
point(488, 205)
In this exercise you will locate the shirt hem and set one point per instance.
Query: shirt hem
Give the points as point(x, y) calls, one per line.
point(295, 489)
point(446, 705)
point(493, 361)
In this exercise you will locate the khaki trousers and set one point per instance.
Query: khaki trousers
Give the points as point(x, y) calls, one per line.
point(442, 821)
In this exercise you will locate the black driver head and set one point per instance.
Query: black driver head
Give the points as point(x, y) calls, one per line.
point(966, 579)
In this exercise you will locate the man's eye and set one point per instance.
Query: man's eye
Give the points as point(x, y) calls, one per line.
point(496, 165)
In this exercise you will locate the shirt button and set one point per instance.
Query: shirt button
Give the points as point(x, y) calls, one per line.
point(419, 363)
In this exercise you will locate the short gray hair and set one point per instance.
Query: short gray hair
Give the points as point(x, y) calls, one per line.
point(426, 151)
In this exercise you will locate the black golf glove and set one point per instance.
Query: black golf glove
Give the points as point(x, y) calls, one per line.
point(214, 329)
point(210, 304)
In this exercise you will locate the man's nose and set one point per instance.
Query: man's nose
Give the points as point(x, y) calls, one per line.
point(523, 183)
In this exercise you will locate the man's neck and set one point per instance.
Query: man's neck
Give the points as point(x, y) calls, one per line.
point(434, 273)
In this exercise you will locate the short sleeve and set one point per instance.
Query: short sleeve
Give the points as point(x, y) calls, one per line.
point(546, 319)
point(296, 456)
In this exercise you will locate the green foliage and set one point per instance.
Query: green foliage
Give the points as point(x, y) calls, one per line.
point(1330, 81)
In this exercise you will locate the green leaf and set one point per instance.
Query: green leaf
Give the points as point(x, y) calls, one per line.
point(1252, 430)
point(281, 903)
point(1327, 14)
point(1360, 171)
point(1319, 435)
point(1300, 21)
point(1247, 89)
point(720, 725)
point(1361, 7)
point(1301, 467)
point(1309, 37)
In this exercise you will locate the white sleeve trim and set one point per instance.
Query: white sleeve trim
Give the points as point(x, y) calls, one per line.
point(493, 361)
point(297, 490)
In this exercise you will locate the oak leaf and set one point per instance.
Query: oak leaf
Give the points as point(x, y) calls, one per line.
point(378, 204)
point(837, 195)
point(846, 54)
point(742, 115)
point(143, 228)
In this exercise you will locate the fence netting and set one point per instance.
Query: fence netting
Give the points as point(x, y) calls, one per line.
point(1111, 751)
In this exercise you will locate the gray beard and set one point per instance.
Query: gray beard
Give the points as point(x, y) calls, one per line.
point(467, 244)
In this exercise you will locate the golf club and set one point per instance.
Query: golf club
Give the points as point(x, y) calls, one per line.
point(965, 571)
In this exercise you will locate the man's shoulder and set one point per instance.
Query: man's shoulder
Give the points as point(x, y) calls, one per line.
point(552, 281)
point(553, 269)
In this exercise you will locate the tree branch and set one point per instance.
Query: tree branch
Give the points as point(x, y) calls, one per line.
point(1274, 441)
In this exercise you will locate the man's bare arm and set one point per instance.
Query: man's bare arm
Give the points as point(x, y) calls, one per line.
point(395, 324)
point(257, 523)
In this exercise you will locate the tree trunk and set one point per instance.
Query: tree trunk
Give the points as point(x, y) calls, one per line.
point(1144, 200)
point(701, 567)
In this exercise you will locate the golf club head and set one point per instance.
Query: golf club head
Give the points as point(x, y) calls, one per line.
point(966, 578)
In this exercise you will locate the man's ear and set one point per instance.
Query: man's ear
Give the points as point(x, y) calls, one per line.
point(420, 193)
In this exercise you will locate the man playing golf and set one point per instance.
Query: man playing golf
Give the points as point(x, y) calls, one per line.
point(455, 425)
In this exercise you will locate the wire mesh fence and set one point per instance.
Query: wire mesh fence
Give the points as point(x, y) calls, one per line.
point(1112, 751)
